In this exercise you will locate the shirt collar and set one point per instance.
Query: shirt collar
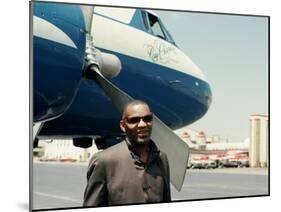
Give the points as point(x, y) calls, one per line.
point(153, 151)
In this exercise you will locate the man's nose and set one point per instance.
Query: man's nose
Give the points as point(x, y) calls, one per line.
point(142, 123)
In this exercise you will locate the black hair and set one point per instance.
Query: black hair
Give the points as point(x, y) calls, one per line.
point(132, 103)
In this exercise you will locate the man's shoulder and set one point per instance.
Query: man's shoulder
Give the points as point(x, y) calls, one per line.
point(115, 148)
point(112, 152)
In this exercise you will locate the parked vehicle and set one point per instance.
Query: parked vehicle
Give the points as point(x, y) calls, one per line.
point(196, 164)
point(238, 160)
point(209, 164)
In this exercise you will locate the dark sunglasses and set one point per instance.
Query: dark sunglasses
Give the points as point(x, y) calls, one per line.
point(136, 119)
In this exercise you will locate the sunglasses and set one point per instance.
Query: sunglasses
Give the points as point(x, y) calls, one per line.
point(136, 119)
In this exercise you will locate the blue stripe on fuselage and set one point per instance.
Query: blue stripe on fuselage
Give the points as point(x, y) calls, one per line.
point(67, 17)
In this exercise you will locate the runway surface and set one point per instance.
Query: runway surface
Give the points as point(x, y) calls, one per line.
point(62, 185)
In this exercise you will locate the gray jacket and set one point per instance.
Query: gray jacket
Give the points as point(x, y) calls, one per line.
point(115, 176)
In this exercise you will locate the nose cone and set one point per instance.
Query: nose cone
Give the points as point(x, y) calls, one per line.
point(205, 97)
point(196, 87)
point(190, 100)
point(199, 98)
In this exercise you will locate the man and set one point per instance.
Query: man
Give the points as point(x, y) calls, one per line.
point(133, 171)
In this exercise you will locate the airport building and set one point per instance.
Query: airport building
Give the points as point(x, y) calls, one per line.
point(198, 140)
point(259, 141)
point(256, 146)
point(63, 150)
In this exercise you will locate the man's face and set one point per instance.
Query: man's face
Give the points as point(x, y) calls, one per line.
point(137, 124)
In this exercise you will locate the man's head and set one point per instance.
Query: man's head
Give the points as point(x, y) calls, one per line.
point(137, 122)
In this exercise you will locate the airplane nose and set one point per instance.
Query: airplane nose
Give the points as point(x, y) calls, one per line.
point(193, 99)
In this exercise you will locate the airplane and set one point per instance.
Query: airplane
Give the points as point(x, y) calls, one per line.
point(88, 63)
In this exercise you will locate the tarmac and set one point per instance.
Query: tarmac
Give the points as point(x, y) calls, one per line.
point(52, 189)
point(255, 171)
point(248, 170)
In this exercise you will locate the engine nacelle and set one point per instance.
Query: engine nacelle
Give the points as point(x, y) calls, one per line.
point(110, 65)
point(107, 64)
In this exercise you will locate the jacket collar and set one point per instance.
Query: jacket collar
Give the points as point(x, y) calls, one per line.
point(154, 152)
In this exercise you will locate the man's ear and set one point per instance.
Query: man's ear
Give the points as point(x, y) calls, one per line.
point(122, 126)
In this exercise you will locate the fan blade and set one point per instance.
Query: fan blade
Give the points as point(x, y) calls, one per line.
point(88, 16)
point(176, 150)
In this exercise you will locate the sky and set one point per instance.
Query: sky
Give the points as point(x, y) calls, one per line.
point(232, 52)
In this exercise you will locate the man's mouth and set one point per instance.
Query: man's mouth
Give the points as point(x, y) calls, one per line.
point(143, 132)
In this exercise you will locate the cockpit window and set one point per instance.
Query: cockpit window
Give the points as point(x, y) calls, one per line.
point(154, 26)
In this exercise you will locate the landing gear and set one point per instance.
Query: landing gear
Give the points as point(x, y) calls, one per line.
point(35, 143)
point(83, 142)
point(101, 143)
point(104, 143)
point(36, 129)
point(86, 142)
